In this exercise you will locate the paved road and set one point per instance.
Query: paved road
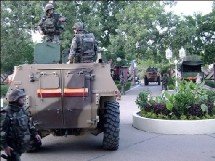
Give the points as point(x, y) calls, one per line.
point(135, 145)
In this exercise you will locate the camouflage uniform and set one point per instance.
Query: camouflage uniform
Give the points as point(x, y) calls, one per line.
point(76, 53)
point(52, 36)
point(164, 82)
point(122, 83)
point(16, 127)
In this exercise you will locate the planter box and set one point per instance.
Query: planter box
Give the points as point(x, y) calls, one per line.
point(206, 126)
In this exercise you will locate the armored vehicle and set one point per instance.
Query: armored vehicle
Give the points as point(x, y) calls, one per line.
point(190, 69)
point(69, 99)
point(151, 75)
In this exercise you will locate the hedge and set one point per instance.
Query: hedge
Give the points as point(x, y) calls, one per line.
point(127, 85)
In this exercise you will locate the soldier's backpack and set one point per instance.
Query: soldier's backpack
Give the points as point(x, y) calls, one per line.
point(87, 44)
point(51, 24)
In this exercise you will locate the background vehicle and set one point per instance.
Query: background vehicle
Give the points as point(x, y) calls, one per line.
point(69, 99)
point(190, 69)
point(151, 75)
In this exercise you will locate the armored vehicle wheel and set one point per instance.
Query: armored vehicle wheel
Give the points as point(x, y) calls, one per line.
point(34, 145)
point(146, 81)
point(111, 126)
point(159, 81)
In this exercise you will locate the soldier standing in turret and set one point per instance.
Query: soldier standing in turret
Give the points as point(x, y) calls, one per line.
point(16, 127)
point(83, 48)
point(51, 24)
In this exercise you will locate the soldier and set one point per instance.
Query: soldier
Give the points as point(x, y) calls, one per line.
point(164, 82)
point(51, 24)
point(83, 48)
point(198, 78)
point(122, 83)
point(16, 127)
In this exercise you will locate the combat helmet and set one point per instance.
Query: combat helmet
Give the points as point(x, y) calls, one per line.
point(15, 94)
point(78, 26)
point(48, 7)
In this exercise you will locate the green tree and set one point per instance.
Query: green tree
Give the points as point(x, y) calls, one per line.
point(16, 42)
point(206, 37)
point(138, 29)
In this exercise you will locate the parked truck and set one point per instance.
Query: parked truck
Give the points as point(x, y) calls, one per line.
point(190, 69)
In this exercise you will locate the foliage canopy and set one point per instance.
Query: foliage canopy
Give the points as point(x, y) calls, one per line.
point(140, 30)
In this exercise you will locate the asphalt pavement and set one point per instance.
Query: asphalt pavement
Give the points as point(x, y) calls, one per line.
point(135, 145)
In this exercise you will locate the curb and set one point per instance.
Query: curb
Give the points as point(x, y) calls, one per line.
point(188, 127)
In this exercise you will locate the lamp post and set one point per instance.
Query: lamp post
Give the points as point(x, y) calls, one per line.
point(176, 74)
point(182, 54)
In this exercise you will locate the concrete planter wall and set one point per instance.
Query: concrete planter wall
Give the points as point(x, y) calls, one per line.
point(206, 126)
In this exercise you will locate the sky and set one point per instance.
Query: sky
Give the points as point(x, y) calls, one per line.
point(182, 7)
point(189, 7)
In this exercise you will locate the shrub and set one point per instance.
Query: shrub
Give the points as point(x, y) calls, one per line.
point(4, 88)
point(118, 86)
point(171, 87)
point(117, 81)
point(191, 101)
point(170, 81)
point(211, 96)
point(142, 100)
point(210, 83)
point(127, 85)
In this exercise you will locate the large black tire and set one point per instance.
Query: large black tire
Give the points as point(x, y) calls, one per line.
point(111, 126)
point(34, 145)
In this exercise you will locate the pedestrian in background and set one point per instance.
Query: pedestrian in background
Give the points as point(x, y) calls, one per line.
point(122, 84)
point(198, 78)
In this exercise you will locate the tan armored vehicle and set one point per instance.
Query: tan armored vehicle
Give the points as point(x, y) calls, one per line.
point(69, 99)
point(151, 75)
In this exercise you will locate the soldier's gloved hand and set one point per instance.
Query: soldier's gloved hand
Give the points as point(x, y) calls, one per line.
point(63, 19)
point(69, 62)
point(8, 150)
point(38, 138)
